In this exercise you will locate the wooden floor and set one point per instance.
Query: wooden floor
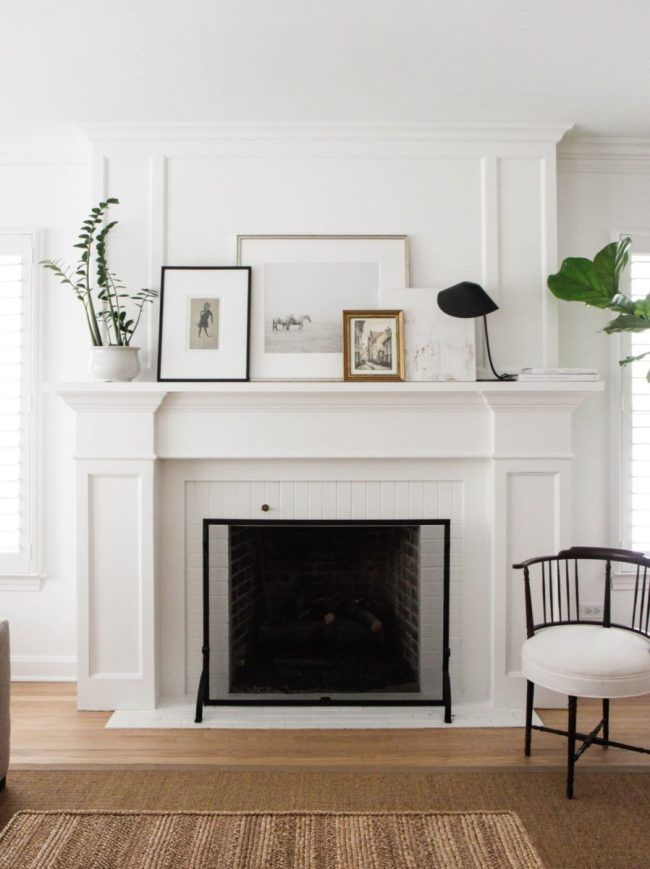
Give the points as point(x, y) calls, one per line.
point(47, 730)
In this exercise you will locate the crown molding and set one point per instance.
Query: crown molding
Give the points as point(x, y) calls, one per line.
point(344, 132)
point(604, 154)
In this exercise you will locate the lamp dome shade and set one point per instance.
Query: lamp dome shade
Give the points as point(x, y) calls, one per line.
point(466, 300)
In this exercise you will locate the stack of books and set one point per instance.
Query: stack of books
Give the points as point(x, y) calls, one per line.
point(557, 374)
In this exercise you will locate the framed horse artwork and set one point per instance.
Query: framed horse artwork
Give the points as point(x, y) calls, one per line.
point(300, 286)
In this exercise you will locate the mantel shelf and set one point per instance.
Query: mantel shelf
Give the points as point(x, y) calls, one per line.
point(316, 387)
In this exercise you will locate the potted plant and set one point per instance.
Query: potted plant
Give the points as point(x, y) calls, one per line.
point(596, 282)
point(112, 312)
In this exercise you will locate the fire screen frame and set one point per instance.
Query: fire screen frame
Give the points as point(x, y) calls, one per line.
point(203, 694)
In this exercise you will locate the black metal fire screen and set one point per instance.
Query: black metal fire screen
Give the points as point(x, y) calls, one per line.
point(317, 610)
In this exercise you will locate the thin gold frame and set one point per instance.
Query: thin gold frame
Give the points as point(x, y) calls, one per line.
point(403, 238)
point(373, 313)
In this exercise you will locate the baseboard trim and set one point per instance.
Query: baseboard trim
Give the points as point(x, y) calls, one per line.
point(43, 668)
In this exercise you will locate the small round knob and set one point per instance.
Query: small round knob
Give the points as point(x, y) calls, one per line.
point(265, 508)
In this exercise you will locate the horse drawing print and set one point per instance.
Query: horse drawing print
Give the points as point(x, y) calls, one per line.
point(300, 321)
point(287, 322)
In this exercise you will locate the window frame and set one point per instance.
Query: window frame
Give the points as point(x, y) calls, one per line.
point(621, 423)
point(23, 572)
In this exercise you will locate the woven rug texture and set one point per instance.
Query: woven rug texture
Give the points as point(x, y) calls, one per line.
point(195, 840)
point(605, 827)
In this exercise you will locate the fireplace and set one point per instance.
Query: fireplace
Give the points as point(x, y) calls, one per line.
point(323, 611)
point(324, 608)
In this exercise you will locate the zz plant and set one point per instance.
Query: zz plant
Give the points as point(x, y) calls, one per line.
point(597, 282)
point(105, 304)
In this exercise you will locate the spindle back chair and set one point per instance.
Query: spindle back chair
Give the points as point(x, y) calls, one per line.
point(555, 598)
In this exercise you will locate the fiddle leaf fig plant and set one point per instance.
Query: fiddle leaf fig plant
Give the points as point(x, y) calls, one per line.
point(108, 304)
point(597, 283)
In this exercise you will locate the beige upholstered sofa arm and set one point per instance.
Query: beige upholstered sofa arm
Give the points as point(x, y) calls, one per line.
point(5, 675)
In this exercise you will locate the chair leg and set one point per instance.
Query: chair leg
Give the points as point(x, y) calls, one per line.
point(571, 745)
point(606, 720)
point(530, 691)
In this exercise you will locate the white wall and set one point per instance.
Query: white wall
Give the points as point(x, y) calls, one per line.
point(46, 187)
point(598, 197)
point(482, 208)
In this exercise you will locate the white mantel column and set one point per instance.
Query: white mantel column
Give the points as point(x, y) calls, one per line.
point(115, 461)
point(531, 478)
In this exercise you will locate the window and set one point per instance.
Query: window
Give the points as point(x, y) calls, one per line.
point(16, 418)
point(635, 428)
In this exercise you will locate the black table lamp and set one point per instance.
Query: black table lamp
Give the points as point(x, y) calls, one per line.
point(470, 300)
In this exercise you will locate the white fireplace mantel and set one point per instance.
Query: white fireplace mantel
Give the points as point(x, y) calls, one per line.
point(520, 432)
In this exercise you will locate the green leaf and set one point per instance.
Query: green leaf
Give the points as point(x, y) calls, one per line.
point(594, 283)
point(578, 281)
point(629, 359)
point(627, 323)
point(642, 308)
point(610, 262)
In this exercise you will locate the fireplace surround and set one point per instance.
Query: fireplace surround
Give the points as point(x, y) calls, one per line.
point(153, 460)
point(324, 611)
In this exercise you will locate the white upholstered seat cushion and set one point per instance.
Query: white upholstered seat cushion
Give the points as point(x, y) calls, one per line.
point(588, 661)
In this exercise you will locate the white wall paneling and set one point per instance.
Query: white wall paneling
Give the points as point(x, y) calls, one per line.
point(534, 500)
point(116, 615)
point(532, 497)
point(478, 204)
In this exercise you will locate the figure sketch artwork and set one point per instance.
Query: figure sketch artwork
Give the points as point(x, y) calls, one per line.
point(304, 303)
point(203, 324)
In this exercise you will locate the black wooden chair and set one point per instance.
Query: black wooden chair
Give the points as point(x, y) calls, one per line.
point(584, 657)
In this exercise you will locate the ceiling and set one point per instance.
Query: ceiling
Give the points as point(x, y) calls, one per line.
point(585, 62)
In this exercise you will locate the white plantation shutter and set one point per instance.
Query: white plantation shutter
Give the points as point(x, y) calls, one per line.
point(636, 417)
point(15, 402)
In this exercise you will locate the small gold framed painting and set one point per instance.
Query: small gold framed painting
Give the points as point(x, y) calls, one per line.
point(373, 345)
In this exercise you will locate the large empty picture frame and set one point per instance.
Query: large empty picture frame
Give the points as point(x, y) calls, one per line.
point(301, 285)
point(204, 323)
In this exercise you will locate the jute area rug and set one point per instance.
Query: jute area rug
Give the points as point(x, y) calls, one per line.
point(251, 840)
point(605, 827)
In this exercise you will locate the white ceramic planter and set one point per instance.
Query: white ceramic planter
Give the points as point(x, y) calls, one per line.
point(114, 363)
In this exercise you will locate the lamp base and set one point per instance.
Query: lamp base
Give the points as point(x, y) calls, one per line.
point(505, 378)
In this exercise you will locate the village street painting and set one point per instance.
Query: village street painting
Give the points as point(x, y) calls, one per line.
point(374, 345)
point(304, 303)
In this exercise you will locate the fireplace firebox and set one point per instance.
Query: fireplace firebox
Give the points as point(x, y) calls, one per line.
point(324, 611)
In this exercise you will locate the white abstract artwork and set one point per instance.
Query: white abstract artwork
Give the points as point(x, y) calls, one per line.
point(436, 346)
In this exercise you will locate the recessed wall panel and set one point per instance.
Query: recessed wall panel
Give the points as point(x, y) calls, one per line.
point(115, 576)
point(532, 506)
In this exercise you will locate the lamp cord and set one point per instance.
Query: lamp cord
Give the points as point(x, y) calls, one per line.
point(487, 345)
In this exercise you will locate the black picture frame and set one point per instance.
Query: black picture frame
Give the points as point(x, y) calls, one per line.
point(168, 269)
